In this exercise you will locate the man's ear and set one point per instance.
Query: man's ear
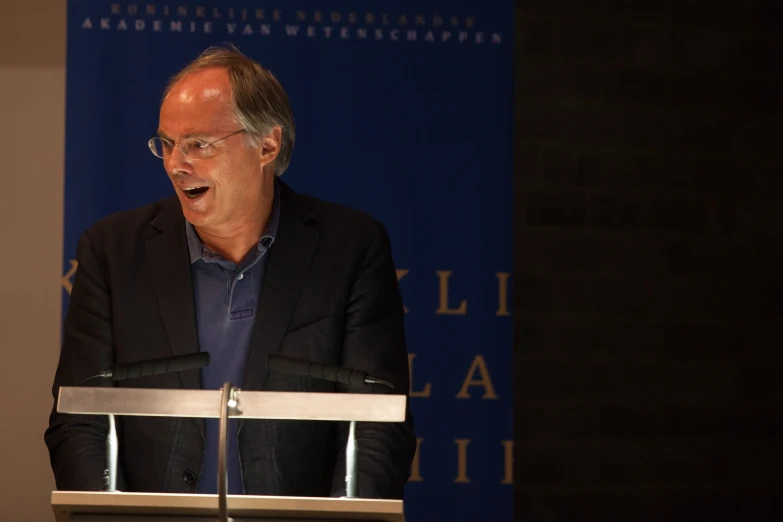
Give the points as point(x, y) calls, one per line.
point(269, 147)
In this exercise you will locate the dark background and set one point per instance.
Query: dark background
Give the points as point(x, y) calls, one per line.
point(647, 277)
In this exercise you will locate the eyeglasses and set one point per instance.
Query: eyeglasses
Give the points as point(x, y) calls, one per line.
point(191, 148)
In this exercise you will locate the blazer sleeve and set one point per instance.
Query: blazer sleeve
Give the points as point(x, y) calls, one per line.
point(77, 443)
point(374, 340)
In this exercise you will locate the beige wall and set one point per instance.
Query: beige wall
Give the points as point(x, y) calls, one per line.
point(32, 120)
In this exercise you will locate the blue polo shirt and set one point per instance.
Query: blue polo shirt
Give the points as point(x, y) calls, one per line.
point(226, 297)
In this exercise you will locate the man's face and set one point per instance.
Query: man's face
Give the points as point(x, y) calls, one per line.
point(228, 183)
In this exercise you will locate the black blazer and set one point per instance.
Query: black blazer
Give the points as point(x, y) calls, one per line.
point(329, 295)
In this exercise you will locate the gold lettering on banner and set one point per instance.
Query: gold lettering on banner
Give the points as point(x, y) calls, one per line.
point(115, 8)
point(454, 21)
point(444, 296)
point(419, 20)
point(369, 18)
point(502, 293)
point(165, 10)
point(216, 13)
point(66, 279)
point(508, 461)
point(277, 15)
point(259, 14)
point(231, 12)
point(301, 16)
point(427, 391)
point(201, 12)
point(469, 22)
point(400, 274)
point(462, 461)
point(437, 21)
point(182, 10)
point(402, 20)
point(133, 9)
point(485, 381)
point(415, 467)
point(385, 19)
point(318, 16)
point(335, 17)
point(150, 10)
point(244, 14)
point(351, 18)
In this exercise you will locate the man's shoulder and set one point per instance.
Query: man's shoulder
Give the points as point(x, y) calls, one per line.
point(342, 220)
point(128, 224)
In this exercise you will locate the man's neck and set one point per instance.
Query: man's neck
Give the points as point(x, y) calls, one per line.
point(234, 241)
point(233, 245)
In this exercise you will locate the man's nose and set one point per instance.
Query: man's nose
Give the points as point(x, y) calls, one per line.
point(178, 162)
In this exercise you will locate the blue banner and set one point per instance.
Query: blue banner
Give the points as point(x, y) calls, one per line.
point(404, 110)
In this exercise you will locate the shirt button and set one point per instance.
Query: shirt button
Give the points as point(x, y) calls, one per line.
point(189, 477)
point(241, 276)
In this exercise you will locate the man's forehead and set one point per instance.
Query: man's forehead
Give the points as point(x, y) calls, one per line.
point(197, 102)
point(208, 85)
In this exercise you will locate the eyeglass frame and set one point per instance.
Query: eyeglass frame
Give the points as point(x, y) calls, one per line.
point(162, 139)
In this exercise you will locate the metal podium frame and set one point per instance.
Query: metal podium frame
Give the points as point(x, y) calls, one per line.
point(229, 402)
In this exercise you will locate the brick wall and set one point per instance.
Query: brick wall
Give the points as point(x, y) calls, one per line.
point(649, 249)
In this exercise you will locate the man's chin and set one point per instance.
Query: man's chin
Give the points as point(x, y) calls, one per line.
point(196, 217)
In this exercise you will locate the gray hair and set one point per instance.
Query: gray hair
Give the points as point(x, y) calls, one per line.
point(259, 101)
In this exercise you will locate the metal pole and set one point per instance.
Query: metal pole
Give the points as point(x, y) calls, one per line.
point(110, 473)
point(350, 462)
point(222, 478)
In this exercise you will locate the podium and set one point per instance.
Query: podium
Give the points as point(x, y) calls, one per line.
point(230, 402)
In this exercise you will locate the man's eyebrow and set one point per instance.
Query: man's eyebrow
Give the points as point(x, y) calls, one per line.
point(189, 135)
point(196, 135)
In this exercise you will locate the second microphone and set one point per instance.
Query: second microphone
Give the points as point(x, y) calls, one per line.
point(348, 376)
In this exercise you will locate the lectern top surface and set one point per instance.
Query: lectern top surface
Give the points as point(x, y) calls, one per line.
point(369, 407)
point(65, 504)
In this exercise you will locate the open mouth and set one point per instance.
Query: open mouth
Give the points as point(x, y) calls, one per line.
point(193, 193)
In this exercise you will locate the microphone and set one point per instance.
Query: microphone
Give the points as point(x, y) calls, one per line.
point(177, 363)
point(351, 377)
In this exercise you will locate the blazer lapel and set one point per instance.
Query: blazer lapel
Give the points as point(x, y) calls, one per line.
point(169, 262)
point(287, 266)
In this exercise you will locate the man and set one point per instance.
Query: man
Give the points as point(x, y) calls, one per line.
point(241, 266)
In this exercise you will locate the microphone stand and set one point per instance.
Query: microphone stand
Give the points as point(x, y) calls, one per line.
point(120, 372)
point(341, 375)
point(352, 448)
point(351, 451)
point(110, 473)
point(112, 444)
